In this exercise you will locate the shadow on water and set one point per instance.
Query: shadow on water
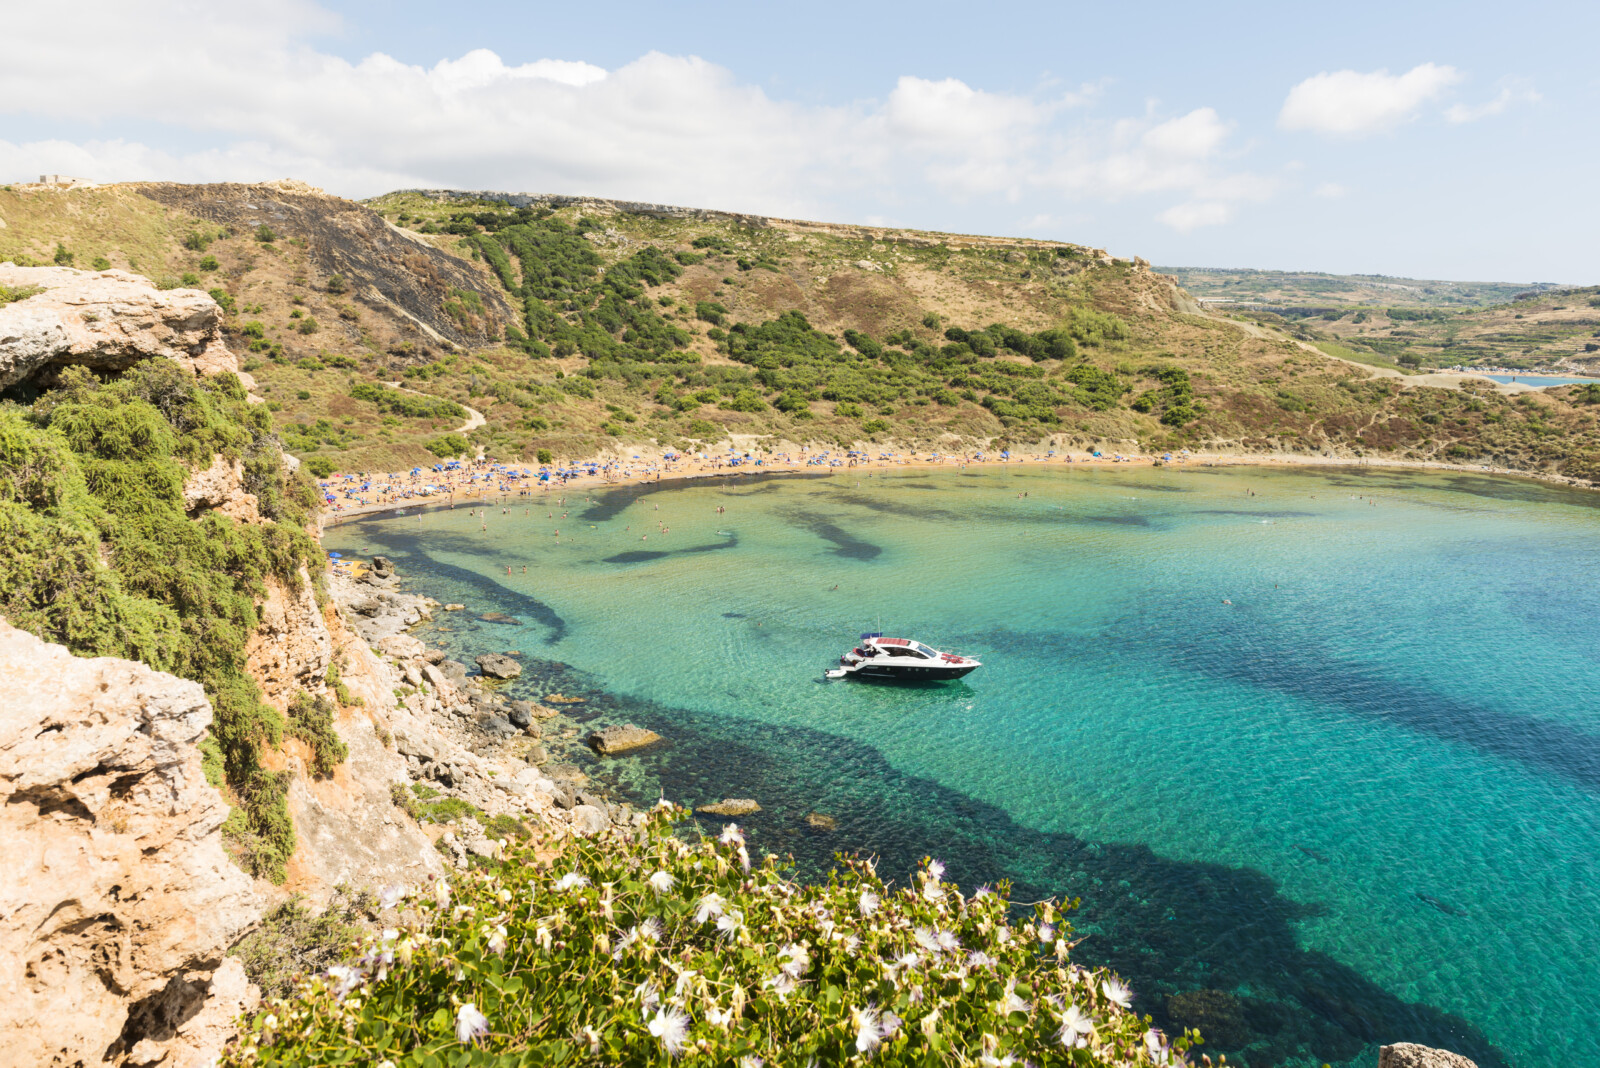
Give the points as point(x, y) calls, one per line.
point(844, 543)
point(638, 556)
point(417, 564)
point(610, 503)
point(1328, 682)
point(1223, 936)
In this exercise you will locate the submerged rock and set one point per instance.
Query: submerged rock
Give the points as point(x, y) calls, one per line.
point(730, 806)
point(821, 822)
point(454, 607)
point(499, 666)
point(621, 739)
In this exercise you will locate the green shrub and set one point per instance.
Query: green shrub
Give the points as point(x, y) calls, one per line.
point(292, 942)
point(311, 721)
point(543, 456)
point(308, 325)
point(265, 235)
point(104, 558)
point(336, 284)
point(319, 466)
point(100, 263)
point(190, 280)
point(209, 263)
point(638, 949)
point(410, 405)
point(446, 446)
point(224, 300)
point(63, 258)
point(9, 294)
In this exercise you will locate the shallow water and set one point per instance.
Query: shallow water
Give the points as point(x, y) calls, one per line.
point(1362, 799)
point(1542, 380)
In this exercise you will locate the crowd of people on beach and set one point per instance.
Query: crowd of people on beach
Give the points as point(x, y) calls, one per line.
point(485, 479)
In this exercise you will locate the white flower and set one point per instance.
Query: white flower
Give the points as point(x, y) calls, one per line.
point(932, 891)
point(979, 959)
point(441, 893)
point(731, 835)
point(593, 1038)
point(851, 943)
point(391, 896)
point(936, 868)
point(783, 984)
point(671, 1026)
point(867, 1034)
point(1047, 933)
point(752, 1062)
point(662, 881)
point(345, 979)
point(1075, 1026)
point(497, 940)
point(471, 1024)
point(868, 903)
point(728, 924)
point(1010, 1003)
point(1156, 1043)
point(711, 906)
point(648, 996)
point(1117, 992)
point(570, 880)
point(717, 1017)
point(926, 939)
point(799, 960)
point(949, 942)
point(651, 928)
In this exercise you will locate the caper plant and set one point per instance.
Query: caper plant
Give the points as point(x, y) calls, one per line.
point(643, 949)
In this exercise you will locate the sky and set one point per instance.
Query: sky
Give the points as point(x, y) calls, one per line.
point(1457, 141)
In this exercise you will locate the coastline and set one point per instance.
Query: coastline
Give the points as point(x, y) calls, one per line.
point(704, 469)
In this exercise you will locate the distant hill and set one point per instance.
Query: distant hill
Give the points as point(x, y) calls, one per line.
point(1317, 288)
point(576, 325)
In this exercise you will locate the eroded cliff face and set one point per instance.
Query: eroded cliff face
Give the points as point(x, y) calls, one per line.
point(105, 320)
point(117, 901)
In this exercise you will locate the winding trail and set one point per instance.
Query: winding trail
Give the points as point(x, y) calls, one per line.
point(475, 418)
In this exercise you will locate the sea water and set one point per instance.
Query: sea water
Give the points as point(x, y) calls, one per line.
point(1318, 750)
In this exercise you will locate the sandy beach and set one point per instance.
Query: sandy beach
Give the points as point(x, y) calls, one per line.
point(484, 481)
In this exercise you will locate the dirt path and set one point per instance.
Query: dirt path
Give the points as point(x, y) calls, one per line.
point(475, 418)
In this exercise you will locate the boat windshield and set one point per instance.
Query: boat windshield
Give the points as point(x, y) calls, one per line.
point(924, 650)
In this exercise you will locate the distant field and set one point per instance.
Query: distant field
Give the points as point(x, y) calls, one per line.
point(1299, 288)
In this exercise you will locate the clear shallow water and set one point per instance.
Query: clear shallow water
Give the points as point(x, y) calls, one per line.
point(1363, 800)
point(1541, 380)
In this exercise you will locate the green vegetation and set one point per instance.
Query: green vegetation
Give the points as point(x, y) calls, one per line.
point(311, 721)
point(410, 405)
point(9, 294)
point(105, 560)
point(293, 942)
point(446, 446)
point(637, 950)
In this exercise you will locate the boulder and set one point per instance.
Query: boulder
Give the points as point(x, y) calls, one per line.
point(1411, 1055)
point(496, 725)
point(537, 755)
point(587, 798)
point(499, 666)
point(454, 670)
point(730, 806)
point(435, 656)
point(821, 822)
point(588, 821)
point(118, 900)
point(621, 739)
point(108, 321)
point(521, 717)
point(401, 646)
point(382, 563)
point(567, 773)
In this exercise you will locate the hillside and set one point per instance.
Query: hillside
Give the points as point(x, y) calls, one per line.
point(1318, 288)
point(577, 326)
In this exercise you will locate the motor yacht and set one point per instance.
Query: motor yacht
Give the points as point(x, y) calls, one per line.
point(901, 660)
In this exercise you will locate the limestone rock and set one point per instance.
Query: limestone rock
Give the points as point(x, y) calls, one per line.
point(621, 739)
point(220, 487)
point(730, 806)
point(106, 320)
point(1411, 1055)
point(588, 821)
point(537, 755)
point(499, 666)
point(117, 898)
point(521, 717)
point(454, 607)
point(822, 822)
point(401, 646)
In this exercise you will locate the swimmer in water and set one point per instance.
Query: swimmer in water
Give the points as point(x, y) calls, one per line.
point(1226, 601)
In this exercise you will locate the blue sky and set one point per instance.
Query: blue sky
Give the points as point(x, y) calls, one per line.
point(1450, 141)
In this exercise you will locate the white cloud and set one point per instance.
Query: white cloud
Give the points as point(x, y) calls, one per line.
point(243, 81)
point(1513, 93)
point(1195, 214)
point(1331, 191)
point(1354, 103)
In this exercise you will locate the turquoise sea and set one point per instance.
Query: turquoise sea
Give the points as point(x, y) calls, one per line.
point(1358, 804)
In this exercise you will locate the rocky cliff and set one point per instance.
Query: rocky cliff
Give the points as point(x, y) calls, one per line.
point(105, 320)
point(117, 901)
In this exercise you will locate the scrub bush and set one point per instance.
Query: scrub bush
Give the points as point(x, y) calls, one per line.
point(640, 949)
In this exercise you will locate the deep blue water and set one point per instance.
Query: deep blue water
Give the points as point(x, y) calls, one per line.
point(1358, 804)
